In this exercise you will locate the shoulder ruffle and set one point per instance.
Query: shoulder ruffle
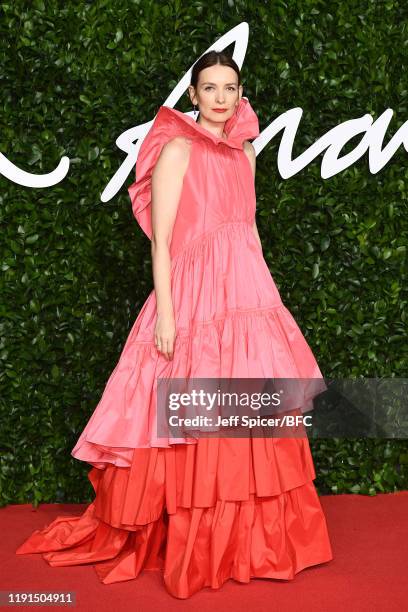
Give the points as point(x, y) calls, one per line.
point(168, 124)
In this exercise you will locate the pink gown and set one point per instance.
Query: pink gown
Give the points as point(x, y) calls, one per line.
point(201, 511)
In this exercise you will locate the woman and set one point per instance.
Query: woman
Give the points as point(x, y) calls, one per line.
point(202, 509)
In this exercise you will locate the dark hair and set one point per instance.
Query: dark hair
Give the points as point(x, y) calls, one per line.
point(210, 59)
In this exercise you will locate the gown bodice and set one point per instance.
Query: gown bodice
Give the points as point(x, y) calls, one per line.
point(218, 186)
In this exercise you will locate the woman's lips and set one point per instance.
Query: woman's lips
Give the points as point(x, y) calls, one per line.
point(220, 110)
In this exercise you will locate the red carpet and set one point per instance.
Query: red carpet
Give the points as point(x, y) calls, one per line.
point(369, 536)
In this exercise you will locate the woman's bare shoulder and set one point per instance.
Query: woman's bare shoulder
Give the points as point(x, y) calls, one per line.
point(174, 156)
point(250, 152)
point(178, 146)
point(249, 149)
point(175, 151)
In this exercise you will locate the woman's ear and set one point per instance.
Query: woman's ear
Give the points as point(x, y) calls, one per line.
point(191, 94)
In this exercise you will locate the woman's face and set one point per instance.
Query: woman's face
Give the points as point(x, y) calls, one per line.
point(217, 87)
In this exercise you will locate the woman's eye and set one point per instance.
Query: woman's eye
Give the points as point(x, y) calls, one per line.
point(209, 87)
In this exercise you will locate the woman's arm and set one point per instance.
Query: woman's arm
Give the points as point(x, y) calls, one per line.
point(250, 152)
point(167, 182)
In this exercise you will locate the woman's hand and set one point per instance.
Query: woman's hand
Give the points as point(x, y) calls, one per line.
point(164, 334)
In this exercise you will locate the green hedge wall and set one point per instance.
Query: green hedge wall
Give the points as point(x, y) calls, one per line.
point(76, 271)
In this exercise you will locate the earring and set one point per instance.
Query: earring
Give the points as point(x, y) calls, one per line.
point(195, 111)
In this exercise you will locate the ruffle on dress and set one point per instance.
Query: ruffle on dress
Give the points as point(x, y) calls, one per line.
point(126, 416)
point(201, 514)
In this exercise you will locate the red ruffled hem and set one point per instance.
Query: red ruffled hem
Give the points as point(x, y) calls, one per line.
point(202, 514)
